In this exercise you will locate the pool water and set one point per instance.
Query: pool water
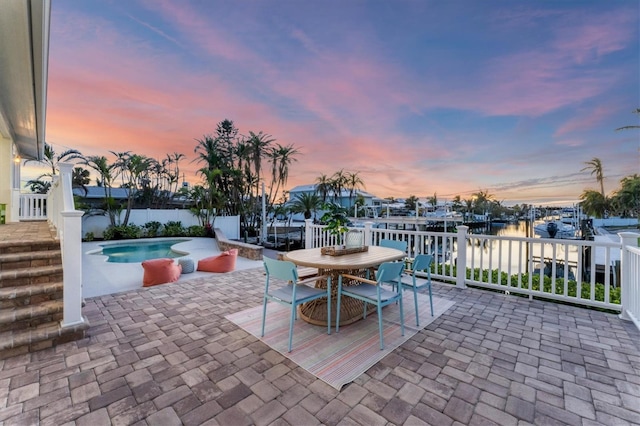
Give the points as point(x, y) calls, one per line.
point(139, 251)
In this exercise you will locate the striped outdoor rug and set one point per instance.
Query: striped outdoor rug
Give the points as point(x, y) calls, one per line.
point(341, 357)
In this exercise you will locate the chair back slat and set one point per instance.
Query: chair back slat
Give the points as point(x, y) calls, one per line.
point(281, 269)
point(389, 271)
point(395, 244)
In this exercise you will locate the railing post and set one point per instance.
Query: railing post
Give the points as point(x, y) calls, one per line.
point(308, 234)
point(626, 279)
point(461, 265)
point(72, 267)
point(368, 236)
point(70, 233)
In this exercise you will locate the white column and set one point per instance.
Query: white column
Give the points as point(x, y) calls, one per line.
point(72, 267)
point(461, 266)
point(308, 234)
point(368, 237)
point(627, 280)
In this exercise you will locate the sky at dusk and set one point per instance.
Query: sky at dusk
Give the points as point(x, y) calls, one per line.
point(418, 97)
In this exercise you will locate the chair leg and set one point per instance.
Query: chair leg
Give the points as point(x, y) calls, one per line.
point(364, 313)
point(401, 314)
point(264, 315)
point(380, 327)
point(339, 300)
point(415, 302)
point(293, 314)
point(329, 306)
point(430, 299)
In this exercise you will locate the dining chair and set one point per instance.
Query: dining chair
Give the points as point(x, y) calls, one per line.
point(395, 244)
point(294, 293)
point(422, 263)
point(372, 292)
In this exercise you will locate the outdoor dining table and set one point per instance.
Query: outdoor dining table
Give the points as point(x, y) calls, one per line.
point(315, 312)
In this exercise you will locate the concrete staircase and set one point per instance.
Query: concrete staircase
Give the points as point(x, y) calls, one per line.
point(31, 298)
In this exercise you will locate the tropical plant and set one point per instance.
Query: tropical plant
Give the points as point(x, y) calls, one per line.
point(636, 111)
point(335, 218)
point(594, 203)
point(595, 166)
point(627, 199)
point(306, 203)
point(80, 178)
point(51, 160)
point(411, 202)
point(107, 173)
point(323, 186)
point(38, 186)
point(353, 184)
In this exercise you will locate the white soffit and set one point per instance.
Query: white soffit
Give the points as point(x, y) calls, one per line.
point(24, 50)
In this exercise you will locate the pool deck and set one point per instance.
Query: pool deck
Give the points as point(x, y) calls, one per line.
point(100, 277)
point(166, 355)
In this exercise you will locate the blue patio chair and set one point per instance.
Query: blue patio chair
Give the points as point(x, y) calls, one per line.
point(422, 263)
point(395, 244)
point(294, 293)
point(372, 292)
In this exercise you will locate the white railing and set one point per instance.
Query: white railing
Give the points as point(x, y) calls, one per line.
point(68, 224)
point(630, 279)
point(33, 207)
point(591, 273)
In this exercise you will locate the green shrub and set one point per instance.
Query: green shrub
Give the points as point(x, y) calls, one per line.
point(502, 278)
point(152, 229)
point(123, 232)
point(174, 229)
point(89, 236)
point(196, 231)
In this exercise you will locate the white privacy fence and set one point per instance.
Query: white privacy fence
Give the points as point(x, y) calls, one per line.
point(592, 273)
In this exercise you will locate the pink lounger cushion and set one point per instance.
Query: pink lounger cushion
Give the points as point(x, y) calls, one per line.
point(224, 262)
point(160, 271)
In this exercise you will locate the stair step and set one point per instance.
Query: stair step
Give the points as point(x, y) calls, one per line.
point(21, 313)
point(11, 293)
point(22, 260)
point(16, 342)
point(8, 247)
point(32, 275)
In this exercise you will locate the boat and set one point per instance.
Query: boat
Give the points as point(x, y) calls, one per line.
point(554, 229)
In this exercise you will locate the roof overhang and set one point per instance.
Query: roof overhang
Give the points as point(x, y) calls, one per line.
point(24, 60)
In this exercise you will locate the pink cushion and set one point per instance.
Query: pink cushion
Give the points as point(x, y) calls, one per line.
point(224, 262)
point(160, 271)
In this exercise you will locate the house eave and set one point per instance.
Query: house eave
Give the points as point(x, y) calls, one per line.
point(24, 57)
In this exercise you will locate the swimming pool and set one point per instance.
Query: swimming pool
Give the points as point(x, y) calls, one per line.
point(139, 251)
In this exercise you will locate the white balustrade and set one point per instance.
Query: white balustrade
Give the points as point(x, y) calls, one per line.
point(33, 207)
point(586, 272)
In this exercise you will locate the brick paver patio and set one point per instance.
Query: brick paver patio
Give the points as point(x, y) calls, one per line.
point(167, 356)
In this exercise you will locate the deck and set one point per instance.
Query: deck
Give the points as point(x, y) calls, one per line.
point(166, 355)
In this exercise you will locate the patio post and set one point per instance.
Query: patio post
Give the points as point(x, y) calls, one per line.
point(461, 265)
point(368, 238)
point(71, 241)
point(627, 278)
point(308, 234)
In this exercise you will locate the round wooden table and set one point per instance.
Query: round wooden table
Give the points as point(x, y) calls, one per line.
point(351, 310)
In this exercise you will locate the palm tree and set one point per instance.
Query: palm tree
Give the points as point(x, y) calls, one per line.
point(595, 165)
point(281, 158)
point(106, 176)
point(323, 186)
point(80, 178)
point(627, 198)
point(306, 203)
point(338, 183)
point(51, 160)
point(594, 203)
point(636, 111)
point(38, 186)
point(258, 146)
point(353, 184)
